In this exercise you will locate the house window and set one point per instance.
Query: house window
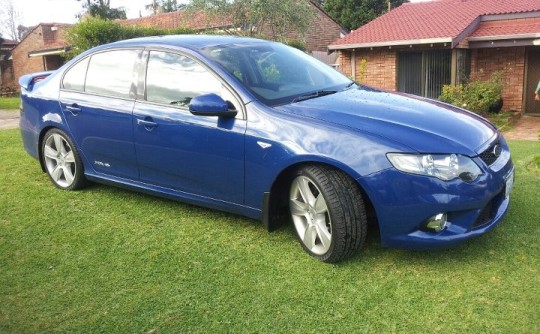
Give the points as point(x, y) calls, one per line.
point(424, 73)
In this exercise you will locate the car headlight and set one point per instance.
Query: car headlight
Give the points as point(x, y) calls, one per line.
point(442, 166)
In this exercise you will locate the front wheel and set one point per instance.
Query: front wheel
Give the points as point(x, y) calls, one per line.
point(328, 213)
point(61, 161)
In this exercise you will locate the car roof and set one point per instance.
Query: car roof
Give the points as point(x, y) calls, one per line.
point(193, 42)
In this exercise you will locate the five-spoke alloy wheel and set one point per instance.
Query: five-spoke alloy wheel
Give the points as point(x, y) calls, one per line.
point(328, 213)
point(61, 160)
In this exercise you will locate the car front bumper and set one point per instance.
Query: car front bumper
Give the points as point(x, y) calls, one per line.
point(404, 202)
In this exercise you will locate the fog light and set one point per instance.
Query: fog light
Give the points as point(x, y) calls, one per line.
point(436, 223)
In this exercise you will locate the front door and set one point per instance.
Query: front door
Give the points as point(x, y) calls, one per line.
point(532, 107)
point(175, 149)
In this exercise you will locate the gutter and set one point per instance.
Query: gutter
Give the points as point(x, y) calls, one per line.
point(391, 43)
point(48, 52)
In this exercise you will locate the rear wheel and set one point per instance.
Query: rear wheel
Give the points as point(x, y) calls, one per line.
point(61, 161)
point(328, 213)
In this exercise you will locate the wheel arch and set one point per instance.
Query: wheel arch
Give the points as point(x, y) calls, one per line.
point(40, 144)
point(275, 207)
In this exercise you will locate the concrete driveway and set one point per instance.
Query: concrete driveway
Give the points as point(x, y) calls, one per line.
point(9, 119)
point(526, 128)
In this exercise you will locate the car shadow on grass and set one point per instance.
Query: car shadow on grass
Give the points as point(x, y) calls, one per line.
point(284, 239)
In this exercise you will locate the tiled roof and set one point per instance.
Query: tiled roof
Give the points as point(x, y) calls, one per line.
point(442, 20)
point(196, 20)
point(10, 42)
point(507, 28)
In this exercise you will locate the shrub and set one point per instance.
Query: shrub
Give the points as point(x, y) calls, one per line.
point(296, 44)
point(95, 31)
point(475, 95)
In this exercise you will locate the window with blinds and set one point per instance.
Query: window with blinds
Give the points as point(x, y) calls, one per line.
point(424, 73)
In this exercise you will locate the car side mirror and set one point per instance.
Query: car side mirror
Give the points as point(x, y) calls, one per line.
point(210, 105)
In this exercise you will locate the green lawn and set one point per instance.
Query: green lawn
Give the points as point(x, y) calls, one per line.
point(105, 260)
point(10, 102)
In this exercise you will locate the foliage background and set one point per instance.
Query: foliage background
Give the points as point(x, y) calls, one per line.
point(354, 13)
point(97, 31)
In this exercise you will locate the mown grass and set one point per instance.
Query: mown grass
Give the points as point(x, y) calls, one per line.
point(10, 102)
point(106, 260)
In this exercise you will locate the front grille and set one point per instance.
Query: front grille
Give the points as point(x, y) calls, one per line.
point(489, 156)
point(485, 217)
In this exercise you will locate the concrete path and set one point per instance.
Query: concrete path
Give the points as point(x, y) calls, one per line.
point(527, 127)
point(9, 119)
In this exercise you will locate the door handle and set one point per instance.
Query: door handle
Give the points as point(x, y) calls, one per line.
point(148, 125)
point(74, 109)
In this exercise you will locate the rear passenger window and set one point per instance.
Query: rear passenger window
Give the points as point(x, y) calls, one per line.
point(113, 73)
point(74, 77)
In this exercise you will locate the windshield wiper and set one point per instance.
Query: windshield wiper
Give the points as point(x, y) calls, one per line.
point(313, 95)
point(350, 85)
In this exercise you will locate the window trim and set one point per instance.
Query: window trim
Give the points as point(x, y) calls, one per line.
point(134, 83)
point(62, 88)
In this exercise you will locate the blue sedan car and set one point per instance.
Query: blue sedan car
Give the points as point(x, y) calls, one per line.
point(263, 130)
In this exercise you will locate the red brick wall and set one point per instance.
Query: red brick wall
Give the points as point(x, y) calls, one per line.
point(344, 61)
point(321, 32)
point(380, 67)
point(511, 61)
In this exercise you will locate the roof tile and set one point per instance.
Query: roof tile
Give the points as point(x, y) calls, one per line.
point(433, 19)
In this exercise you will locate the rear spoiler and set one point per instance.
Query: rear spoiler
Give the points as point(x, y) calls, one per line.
point(27, 81)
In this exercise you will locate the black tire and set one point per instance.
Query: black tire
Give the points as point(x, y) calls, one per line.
point(62, 161)
point(333, 230)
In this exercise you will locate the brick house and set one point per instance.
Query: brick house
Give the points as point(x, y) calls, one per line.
point(419, 47)
point(41, 49)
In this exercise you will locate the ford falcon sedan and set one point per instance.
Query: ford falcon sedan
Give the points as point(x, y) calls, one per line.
point(259, 129)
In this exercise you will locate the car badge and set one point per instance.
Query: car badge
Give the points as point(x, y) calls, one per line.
point(263, 144)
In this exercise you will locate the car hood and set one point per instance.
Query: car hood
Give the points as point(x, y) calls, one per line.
point(423, 125)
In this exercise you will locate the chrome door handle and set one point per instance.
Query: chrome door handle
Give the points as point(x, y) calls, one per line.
point(148, 125)
point(74, 109)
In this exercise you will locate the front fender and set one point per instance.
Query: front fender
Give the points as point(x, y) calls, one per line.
point(276, 140)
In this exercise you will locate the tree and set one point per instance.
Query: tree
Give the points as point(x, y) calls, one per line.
point(102, 9)
point(164, 6)
point(22, 31)
point(10, 19)
point(355, 13)
point(258, 17)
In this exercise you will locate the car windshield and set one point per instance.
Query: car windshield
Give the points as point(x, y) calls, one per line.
point(277, 74)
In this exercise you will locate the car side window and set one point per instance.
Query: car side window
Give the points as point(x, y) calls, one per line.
point(175, 79)
point(112, 73)
point(75, 76)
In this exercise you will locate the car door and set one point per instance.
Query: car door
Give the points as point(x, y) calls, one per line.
point(97, 98)
point(175, 149)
